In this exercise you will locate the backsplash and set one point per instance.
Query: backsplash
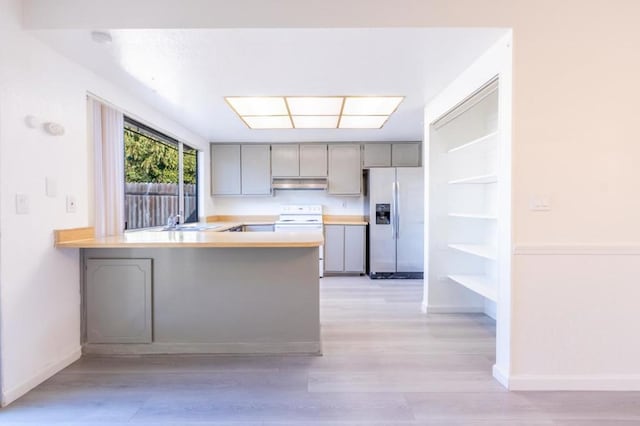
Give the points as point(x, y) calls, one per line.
point(332, 204)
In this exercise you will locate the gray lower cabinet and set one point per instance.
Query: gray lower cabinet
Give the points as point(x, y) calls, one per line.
point(344, 248)
point(345, 169)
point(225, 170)
point(118, 300)
point(405, 155)
point(258, 228)
point(256, 169)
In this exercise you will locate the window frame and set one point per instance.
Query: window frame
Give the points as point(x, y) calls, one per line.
point(144, 130)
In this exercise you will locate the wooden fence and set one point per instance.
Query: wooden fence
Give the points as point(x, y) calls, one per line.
point(150, 204)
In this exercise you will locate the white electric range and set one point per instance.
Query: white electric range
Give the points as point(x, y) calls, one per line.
point(302, 218)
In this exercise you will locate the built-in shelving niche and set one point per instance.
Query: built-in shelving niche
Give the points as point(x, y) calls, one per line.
point(464, 212)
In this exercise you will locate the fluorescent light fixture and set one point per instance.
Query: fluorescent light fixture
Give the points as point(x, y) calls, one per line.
point(268, 122)
point(316, 105)
point(371, 105)
point(362, 121)
point(258, 105)
point(314, 112)
point(315, 121)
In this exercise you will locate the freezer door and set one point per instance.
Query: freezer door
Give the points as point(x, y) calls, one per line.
point(410, 221)
point(382, 243)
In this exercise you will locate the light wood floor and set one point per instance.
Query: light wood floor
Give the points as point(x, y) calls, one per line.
point(384, 363)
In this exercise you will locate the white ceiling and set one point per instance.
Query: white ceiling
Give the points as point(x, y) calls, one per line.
point(186, 73)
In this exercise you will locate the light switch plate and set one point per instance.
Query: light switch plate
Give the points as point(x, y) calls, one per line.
point(22, 204)
point(72, 204)
point(51, 187)
point(540, 203)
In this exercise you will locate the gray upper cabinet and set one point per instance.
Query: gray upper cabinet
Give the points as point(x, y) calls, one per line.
point(377, 155)
point(345, 169)
point(285, 160)
point(256, 169)
point(225, 169)
point(405, 155)
point(313, 160)
point(118, 296)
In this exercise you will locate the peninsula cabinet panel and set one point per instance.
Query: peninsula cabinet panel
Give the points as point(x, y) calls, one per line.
point(345, 169)
point(405, 155)
point(313, 160)
point(225, 170)
point(118, 300)
point(256, 169)
point(285, 160)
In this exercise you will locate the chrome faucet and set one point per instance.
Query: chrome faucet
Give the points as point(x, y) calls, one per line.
point(173, 221)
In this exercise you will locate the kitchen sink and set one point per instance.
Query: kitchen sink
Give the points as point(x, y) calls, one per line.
point(188, 227)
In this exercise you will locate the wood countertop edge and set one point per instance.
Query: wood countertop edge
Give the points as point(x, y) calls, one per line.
point(88, 244)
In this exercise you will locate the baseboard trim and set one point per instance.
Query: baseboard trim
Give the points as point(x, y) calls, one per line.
point(12, 394)
point(500, 375)
point(577, 249)
point(306, 348)
point(451, 309)
point(613, 382)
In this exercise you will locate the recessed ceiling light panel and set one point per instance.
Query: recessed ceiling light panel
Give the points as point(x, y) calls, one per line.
point(363, 121)
point(258, 105)
point(315, 121)
point(316, 105)
point(268, 122)
point(371, 105)
point(314, 112)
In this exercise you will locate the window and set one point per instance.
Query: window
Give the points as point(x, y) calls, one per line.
point(161, 177)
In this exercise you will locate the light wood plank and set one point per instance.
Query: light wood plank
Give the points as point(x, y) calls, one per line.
point(61, 236)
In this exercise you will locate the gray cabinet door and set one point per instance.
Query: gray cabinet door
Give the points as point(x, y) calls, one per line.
point(405, 155)
point(377, 155)
point(313, 160)
point(345, 169)
point(256, 170)
point(354, 248)
point(118, 295)
point(285, 160)
point(225, 169)
point(334, 248)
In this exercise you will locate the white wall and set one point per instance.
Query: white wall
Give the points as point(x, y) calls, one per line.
point(39, 293)
point(332, 205)
point(575, 138)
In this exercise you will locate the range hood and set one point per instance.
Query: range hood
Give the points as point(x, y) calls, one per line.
point(299, 183)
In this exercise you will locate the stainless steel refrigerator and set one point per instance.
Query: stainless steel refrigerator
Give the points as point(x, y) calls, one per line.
point(396, 222)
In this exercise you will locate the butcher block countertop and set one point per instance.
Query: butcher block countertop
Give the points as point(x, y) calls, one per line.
point(344, 220)
point(270, 220)
point(72, 238)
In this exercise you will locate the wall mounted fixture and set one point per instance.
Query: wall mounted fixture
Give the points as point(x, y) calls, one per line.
point(54, 129)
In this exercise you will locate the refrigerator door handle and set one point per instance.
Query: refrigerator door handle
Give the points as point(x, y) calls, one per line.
point(393, 211)
point(397, 210)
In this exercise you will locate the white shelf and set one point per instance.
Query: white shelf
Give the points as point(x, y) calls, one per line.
point(491, 178)
point(474, 142)
point(477, 283)
point(473, 216)
point(487, 252)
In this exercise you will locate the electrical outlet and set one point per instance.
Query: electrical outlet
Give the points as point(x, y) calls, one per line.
point(22, 204)
point(71, 204)
point(540, 203)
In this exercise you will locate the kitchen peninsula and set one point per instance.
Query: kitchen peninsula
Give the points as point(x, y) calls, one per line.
point(199, 291)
